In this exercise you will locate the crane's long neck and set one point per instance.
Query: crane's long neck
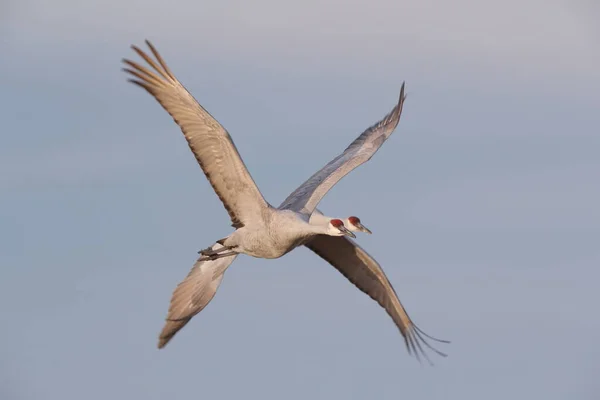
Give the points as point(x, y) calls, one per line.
point(320, 219)
point(318, 229)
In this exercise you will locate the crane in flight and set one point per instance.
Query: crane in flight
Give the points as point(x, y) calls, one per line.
point(262, 230)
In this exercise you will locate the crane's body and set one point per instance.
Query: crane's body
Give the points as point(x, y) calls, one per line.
point(277, 233)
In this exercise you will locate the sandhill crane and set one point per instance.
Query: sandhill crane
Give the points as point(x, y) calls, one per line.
point(261, 230)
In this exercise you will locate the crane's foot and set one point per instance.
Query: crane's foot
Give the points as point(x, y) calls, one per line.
point(209, 251)
point(213, 256)
point(206, 252)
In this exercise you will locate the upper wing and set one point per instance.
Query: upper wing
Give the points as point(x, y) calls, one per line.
point(209, 141)
point(366, 274)
point(306, 197)
point(193, 294)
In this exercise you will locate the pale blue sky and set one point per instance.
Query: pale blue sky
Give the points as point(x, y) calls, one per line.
point(483, 204)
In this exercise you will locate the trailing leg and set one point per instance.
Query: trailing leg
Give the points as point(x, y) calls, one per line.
point(215, 256)
point(210, 251)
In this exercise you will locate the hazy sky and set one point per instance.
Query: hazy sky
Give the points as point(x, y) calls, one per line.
point(484, 202)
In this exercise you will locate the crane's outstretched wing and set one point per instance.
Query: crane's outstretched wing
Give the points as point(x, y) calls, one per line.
point(193, 294)
point(209, 141)
point(367, 275)
point(308, 195)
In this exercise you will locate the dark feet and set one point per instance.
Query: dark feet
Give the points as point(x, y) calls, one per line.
point(206, 252)
point(214, 256)
point(210, 252)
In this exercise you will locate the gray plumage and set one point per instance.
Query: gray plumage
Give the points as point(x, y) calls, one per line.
point(366, 274)
point(209, 141)
point(308, 195)
point(193, 294)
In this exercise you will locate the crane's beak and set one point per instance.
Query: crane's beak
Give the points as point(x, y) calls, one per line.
point(346, 232)
point(362, 228)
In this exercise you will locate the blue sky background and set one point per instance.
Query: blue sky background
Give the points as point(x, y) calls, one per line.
point(483, 204)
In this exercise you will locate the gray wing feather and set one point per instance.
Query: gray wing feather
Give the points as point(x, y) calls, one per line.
point(308, 195)
point(209, 141)
point(367, 275)
point(193, 294)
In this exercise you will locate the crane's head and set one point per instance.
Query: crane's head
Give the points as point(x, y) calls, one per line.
point(337, 228)
point(355, 225)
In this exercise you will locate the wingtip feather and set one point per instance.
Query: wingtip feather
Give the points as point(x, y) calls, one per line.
point(402, 93)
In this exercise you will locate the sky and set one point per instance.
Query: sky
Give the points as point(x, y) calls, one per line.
point(483, 203)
